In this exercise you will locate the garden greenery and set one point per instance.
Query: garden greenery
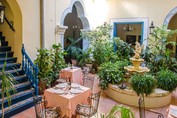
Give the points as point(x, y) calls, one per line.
point(157, 55)
point(111, 73)
point(143, 83)
point(167, 80)
point(125, 112)
point(50, 62)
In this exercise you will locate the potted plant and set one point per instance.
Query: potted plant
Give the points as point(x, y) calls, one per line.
point(111, 73)
point(125, 112)
point(44, 62)
point(100, 42)
point(167, 80)
point(57, 61)
point(143, 83)
point(84, 58)
point(73, 50)
point(7, 86)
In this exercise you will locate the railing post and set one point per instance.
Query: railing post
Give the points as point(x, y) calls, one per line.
point(36, 79)
point(23, 50)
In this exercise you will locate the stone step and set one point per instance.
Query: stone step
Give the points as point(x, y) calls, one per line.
point(15, 98)
point(8, 60)
point(9, 54)
point(16, 108)
point(5, 48)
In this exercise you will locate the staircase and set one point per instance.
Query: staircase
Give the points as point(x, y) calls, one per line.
point(23, 98)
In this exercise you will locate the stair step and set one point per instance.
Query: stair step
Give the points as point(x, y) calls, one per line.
point(5, 48)
point(16, 72)
point(4, 43)
point(2, 38)
point(9, 54)
point(15, 98)
point(16, 108)
point(10, 66)
point(19, 79)
point(8, 60)
point(19, 87)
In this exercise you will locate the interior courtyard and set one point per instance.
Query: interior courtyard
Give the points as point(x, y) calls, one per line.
point(85, 58)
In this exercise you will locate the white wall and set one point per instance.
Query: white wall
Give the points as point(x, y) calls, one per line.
point(30, 25)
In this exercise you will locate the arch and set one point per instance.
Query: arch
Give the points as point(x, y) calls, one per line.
point(17, 23)
point(81, 15)
point(170, 15)
point(80, 10)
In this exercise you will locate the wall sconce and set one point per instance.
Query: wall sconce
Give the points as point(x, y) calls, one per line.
point(128, 28)
point(2, 10)
point(151, 28)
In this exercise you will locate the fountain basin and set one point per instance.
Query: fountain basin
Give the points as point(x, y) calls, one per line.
point(140, 70)
point(158, 98)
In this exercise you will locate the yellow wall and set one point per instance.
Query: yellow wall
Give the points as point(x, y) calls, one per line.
point(27, 17)
point(155, 10)
point(7, 32)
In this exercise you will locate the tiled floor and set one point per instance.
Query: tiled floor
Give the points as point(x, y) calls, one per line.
point(106, 104)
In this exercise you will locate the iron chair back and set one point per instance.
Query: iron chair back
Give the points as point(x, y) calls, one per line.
point(91, 109)
point(39, 105)
point(88, 81)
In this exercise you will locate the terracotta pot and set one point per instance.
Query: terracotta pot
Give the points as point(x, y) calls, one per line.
point(42, 86)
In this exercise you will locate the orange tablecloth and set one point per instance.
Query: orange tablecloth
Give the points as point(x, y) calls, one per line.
point(66, 102)
point(75, 74)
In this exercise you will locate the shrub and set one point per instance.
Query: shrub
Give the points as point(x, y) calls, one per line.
point(167, 80)
point(111, 73)
point(143, 84)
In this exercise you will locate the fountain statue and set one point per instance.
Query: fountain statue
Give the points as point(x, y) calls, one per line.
point(136, 60)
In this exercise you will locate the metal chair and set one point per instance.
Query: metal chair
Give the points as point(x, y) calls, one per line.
point(42, 111)
point(89, 110)
point(142, 109)
point(88, 81)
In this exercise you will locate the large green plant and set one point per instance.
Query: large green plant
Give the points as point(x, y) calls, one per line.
point(84, 57)
point(7, 85)
point(44, 62)
point(73, 50)
point(125, 112)
point(157, 55)
point(57, 60)
point(167, 80)
point(100, 42)
point(143, 83)
point(123, 49)
point(111, 73)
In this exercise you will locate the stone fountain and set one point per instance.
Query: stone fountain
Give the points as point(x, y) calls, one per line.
point(158, 98)
point(136, 60)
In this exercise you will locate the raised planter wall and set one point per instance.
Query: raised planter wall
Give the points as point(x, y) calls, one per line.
point(159, 98)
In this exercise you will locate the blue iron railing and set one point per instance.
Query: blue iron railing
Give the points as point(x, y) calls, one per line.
point(30, 69)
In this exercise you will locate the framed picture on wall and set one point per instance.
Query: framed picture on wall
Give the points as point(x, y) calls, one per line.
point(131, 39)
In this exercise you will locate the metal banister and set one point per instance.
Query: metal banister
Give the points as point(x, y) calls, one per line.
point(30, 69)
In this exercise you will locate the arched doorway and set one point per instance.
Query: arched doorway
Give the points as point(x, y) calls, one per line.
point(171, 23)
point(74, 25)
point(74, 17)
